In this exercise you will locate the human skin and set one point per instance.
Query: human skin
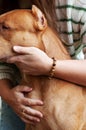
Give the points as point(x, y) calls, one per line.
point(40, 64)
point(15, 98)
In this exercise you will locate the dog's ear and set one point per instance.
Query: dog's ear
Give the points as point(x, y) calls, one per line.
point(41, 22)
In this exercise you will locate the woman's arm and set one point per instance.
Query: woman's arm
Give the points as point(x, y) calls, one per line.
point(36, 62)
point(71, 70)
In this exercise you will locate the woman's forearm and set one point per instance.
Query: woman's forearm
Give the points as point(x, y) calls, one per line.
point(36, 62)
point(71, 70)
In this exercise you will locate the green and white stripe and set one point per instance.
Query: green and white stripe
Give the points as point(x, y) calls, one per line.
point(71, 23)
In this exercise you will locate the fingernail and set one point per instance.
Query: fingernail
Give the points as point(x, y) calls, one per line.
point(30, 89)
point(38, 120)
point(41, 102)
point(41, 115)
point(16, 48)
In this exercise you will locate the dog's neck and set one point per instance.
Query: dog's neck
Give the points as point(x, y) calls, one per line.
point(53, 45)
point(49, 40)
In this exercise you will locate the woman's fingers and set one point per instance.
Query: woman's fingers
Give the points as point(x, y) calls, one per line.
point(20, 49)
point(27, 103)
point(33, 112)
point(29, 110)
point(32, 102)
point(26, 100)
point(31, 115)
point(28, 121)
point(32, 118)
point(22, 105)
point(22, 88)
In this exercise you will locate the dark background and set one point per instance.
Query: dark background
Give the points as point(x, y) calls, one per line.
point(7, 5)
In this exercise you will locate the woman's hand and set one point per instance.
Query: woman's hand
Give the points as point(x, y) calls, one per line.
point(22, 105)
point(31, 60)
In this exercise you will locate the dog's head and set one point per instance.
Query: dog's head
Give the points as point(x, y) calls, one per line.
point(21, 27)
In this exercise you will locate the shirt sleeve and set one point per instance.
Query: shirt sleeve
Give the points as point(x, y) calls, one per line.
point(84, 50)
point(83, 34)
point(11, 72)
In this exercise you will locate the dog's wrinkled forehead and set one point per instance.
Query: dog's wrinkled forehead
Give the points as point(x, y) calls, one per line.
point(21, 27)
point(19, 20)
point(30, 20)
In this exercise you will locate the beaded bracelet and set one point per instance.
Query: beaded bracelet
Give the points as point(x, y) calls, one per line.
point(53, 68)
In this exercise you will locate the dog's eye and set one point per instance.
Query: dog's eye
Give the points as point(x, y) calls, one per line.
point(5, 27)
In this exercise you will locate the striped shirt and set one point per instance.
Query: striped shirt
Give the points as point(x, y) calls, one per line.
point(71, 24)
point(11, 72)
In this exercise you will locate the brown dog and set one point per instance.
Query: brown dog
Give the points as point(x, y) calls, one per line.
point(64, 103)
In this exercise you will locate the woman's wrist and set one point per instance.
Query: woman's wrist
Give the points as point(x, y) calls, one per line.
point(52, 70)
point(50, 67)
